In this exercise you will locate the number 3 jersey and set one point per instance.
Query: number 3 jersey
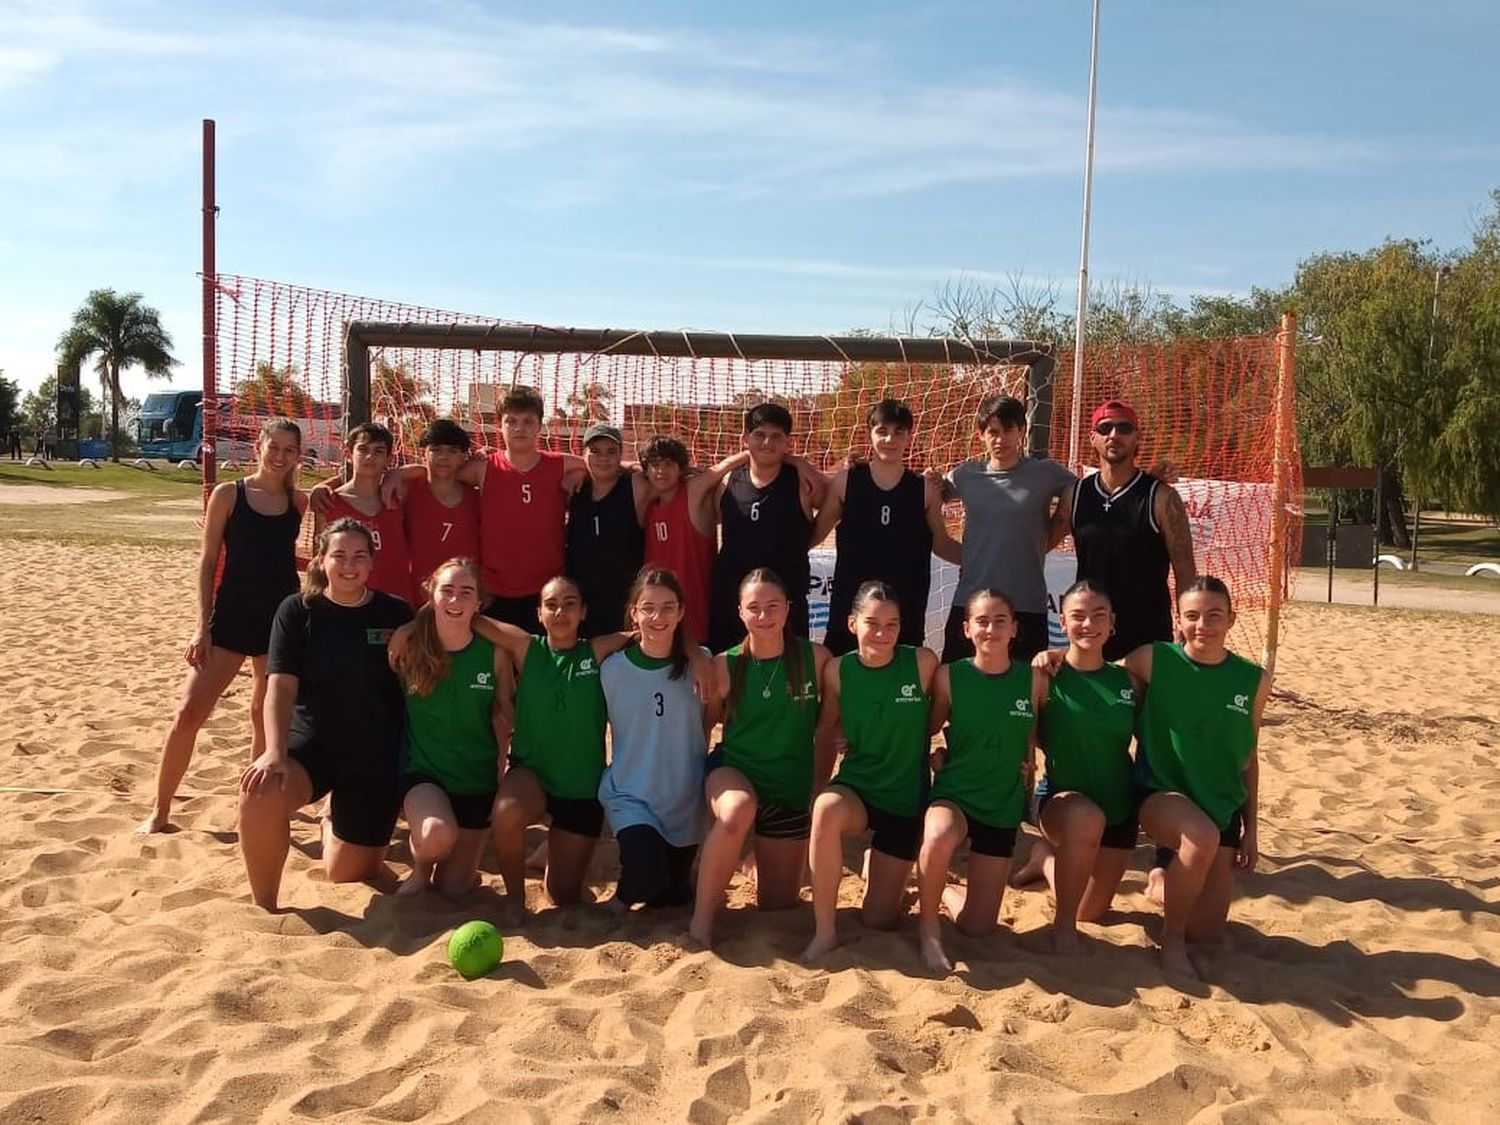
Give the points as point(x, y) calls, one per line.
point(658, 751)
point(435, 532)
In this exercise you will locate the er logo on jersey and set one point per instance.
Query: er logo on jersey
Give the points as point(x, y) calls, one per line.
point(1239, 705)
point(1127, 695)
point(909, 694)
point(1021, 709)
point(482, 682)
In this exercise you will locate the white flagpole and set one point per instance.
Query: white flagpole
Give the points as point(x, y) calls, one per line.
point(1083, 264)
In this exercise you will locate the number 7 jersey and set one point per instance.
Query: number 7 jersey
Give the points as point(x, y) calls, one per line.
point(435, 532)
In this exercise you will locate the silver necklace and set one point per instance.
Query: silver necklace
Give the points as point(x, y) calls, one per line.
point(765, 691)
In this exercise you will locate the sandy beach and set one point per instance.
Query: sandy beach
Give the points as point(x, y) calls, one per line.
point(1361, 980)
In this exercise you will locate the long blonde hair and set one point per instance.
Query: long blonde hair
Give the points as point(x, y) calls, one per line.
point(425, 661)
point(315, 578)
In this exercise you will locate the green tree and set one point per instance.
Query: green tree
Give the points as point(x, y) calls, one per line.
point(117, 331)
point(273, 390)
point(10, 409)
point(39, 407)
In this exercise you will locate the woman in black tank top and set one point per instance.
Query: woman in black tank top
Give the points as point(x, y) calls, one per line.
point(260, 571)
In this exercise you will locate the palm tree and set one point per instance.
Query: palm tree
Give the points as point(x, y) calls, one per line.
point(120, 332)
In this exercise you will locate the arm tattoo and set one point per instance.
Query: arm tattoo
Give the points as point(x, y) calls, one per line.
point(1178, 536)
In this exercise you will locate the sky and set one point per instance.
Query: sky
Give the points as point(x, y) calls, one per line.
point(786, 167)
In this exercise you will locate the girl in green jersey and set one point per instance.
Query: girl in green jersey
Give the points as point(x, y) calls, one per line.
point(982, 776)
point(1198, 766)
point(458, 715)
point(761, 775)
point(1086, 801)
point(557, 752)
point(878, 696)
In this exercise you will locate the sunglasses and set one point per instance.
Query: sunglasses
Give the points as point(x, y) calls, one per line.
point(1124, 429)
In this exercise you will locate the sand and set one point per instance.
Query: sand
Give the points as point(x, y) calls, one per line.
point(1360, 981)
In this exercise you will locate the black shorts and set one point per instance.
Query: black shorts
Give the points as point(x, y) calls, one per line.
point(246, 633)
point(520, 612)
point(470, 810)
point(1230, 835)
point(985, 839)
point(366, 798)
point(1122, 835)
point(772, 821)
point(895, 835)
point(582, 816)
point(1031, 636)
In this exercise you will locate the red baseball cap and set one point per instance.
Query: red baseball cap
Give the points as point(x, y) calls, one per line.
point(1114, 411)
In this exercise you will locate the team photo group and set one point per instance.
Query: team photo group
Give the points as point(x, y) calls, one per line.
point(488, 641)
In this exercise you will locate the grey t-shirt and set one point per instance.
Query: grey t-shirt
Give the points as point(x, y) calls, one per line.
point(1006, 515)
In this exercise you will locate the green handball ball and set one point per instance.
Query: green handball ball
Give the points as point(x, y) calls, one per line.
point(475, 949)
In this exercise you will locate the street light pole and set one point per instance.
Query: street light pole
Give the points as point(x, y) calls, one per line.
point(1439, 275)
point(1076, 414)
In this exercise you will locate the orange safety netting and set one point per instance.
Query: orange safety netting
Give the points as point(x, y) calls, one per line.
point(1210, 407)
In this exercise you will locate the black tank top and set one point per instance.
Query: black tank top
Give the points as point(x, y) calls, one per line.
point(260, 558)
point(761, 527)
point(1120, 546)
point(604, 553)
point(884, 535)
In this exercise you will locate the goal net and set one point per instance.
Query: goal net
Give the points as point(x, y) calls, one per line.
point(1214, 409)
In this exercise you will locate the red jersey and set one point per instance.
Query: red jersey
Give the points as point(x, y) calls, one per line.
point(435, 532)
point(674, 542)
point(522, 524)
point(392, 573)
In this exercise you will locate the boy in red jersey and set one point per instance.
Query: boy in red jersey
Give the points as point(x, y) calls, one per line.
point(441, 513)
point(368, 449)
point(523, 508)
point(680, 520)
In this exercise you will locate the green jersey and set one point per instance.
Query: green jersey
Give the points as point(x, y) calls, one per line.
point(988, 736)
point(885, 723)
point(1085, 731)
point(560, 719)
point(769, 738)
point(450, 736)
point(1197, 729)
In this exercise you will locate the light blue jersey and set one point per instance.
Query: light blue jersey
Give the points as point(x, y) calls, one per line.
point(657, 749)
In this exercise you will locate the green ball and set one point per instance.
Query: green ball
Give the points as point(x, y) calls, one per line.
point(475, 949)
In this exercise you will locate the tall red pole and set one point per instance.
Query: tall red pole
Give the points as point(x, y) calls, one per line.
point(209, 452)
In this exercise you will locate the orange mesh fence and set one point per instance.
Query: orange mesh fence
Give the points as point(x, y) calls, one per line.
point(1209, 407)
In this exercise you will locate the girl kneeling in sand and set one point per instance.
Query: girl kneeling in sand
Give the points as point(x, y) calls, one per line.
point(557, 752)
point(458, 718)
point(334, 716)
point(1086, 806)
point(1198, 766)
point(652, 790)
point(762, 775)
point(983, 776)
point(255, 522)
point(878, 696)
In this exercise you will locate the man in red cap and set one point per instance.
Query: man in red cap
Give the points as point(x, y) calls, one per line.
point(1128, 527)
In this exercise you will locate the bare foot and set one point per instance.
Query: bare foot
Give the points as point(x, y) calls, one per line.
point(933, 956)
point(1034, 869)
point(156, 822)
point(1066, 943)
point(1156, 885)
point(820, 944)
point(413, 884)
point(1174, 959)
point(512, 912)
point(702, 933)
point(953, 900)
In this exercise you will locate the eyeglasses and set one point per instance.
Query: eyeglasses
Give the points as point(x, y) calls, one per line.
point(1124, 429)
